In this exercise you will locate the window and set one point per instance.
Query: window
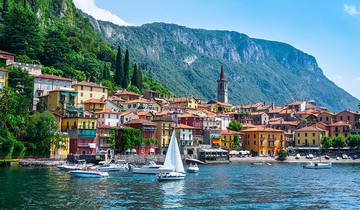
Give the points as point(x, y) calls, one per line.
point(349, 118)
point(93, 125)
point(82, 87)
point(313, 134)
point(103, 90)
point(320, 118)
point(341, 118)
point(298, 134)
point(91, 89)
point(327, 118)
point(91, 95)
point(81, 94)
point(84, 125)
point(254, 142)
point(313, 141)
point(298, 141)
point(306, 135)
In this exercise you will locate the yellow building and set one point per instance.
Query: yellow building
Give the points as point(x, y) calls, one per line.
point(3, 78)
point(263, 141)
point(164, 130)
point(89, 90)
point(185, 102)
point(227, 138)
point(62, 149)
point(309, 136)
point(60, 99)
point(216, 106)
point(94, 105)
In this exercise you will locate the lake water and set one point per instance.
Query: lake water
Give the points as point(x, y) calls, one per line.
point(232, 186)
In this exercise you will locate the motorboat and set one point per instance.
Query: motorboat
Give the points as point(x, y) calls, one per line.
point(193, 168)
point(317, 165)
point(81, 165)
point(172, 161)
point(89, 173)
point(117, 166)
point(150, 168)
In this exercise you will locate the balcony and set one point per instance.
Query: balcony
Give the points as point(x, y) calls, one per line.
point(83, 133)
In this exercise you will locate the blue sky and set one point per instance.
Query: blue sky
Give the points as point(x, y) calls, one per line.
point(328, 30)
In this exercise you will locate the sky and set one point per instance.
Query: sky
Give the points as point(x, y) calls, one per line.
point(328, 30)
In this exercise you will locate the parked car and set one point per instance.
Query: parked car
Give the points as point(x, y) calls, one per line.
point(297, 156)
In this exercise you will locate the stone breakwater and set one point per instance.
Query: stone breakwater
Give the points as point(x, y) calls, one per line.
point(40, 163)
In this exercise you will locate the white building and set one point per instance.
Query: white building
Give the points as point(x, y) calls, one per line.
point(115, 119)
point(184, 135)
point(225, 121)
point(44, 83)
point(32, 69)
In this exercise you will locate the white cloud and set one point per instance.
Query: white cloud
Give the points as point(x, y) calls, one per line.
point(89, 7)
point(351, 9)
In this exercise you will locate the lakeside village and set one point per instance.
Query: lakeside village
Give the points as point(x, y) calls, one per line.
point(97, 122)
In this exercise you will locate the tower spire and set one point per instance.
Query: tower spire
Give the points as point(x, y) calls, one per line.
point(222, 74)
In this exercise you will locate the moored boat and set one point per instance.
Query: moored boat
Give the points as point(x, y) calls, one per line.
point(89, 173)
point(172, 161)
point(117, 166)
point(193, 168)
point(319, 165)
point(81, 165)
point(150, 168)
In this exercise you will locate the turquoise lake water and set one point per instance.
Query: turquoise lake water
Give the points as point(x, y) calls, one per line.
point(233, 186)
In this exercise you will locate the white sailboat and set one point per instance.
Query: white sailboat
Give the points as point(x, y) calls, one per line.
point(172, 161)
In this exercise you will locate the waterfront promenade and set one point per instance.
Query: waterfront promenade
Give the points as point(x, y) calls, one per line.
point(290, 159)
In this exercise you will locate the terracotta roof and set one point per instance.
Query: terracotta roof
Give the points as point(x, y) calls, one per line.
point(88, 84)
point(282, 122)
point(53, 77)
point(6, 53)
point(181, 99)
point(126, 92)
point(115, 98)
point(286, 111)
point(141, 121)
point(163, 113)
point(309, 128)
point(185, 115)
point(340, 123)
point(258, 128)
point(140, 100)
point(327, 112)
point(182, 126)
point(256, 113)
point(219, 103)
point(94, 101)
point(229, 132)
point(109, 112)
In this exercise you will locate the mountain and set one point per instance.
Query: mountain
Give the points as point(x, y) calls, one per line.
point(188, 61)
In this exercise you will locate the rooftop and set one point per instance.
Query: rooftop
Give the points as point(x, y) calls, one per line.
point(88, 84)
point(141, 121)
point(53, 77)
point(309, 128)
point(94, 101)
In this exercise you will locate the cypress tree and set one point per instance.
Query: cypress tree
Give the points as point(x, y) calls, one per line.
point(5, 7)
point(135, 80)
point(125, 83)
point(118, 68)
point(140, 78)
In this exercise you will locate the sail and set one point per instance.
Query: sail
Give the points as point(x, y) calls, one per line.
point(173, 157)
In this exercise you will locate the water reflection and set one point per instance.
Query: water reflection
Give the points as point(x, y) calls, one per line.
point(173, 194)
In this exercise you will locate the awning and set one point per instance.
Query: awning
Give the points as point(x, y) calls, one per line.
point(64, 93)
point(128, 151)
point(73, 94)
point(133, 150)
point(216, 141)
point(152, 150)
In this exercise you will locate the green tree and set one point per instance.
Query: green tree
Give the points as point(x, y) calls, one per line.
point(125, 80)
point(5, 7)
point(41, 131)
point(56, 46)
point(283, 154)
point(119, 73)
point(136, 78)
point(109, 85)
point(235, 125)
point(23, 83)
point(326, 142)
point(51, 70)
point(22, 32)
point(354, 141)
point(339, 141)
point(236, 141)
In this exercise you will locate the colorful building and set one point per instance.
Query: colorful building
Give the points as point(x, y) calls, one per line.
point(185, 103)
point(263, 141)
point(3, 78)
point(340, 128)
point(309, 136)
point(164, 126)
point(109, 119)
point(81, 128)
point(44, 83)
point(184, 135)
point(219, 107)
point(6, 58)
point(141, 104)
point(127, 95)
point(147, 135)
point(227, 139)
point(94, 105)
point(89, 90)
point(58, 100)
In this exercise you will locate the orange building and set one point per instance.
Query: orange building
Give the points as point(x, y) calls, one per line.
point(263, 141)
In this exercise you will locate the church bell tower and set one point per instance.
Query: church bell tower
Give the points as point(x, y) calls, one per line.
point(222, 89)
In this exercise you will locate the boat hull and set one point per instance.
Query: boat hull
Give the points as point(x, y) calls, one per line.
point(113, 168)
point(193, 170)
point(318, 166)
point(171, 176)
point(88, 174)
